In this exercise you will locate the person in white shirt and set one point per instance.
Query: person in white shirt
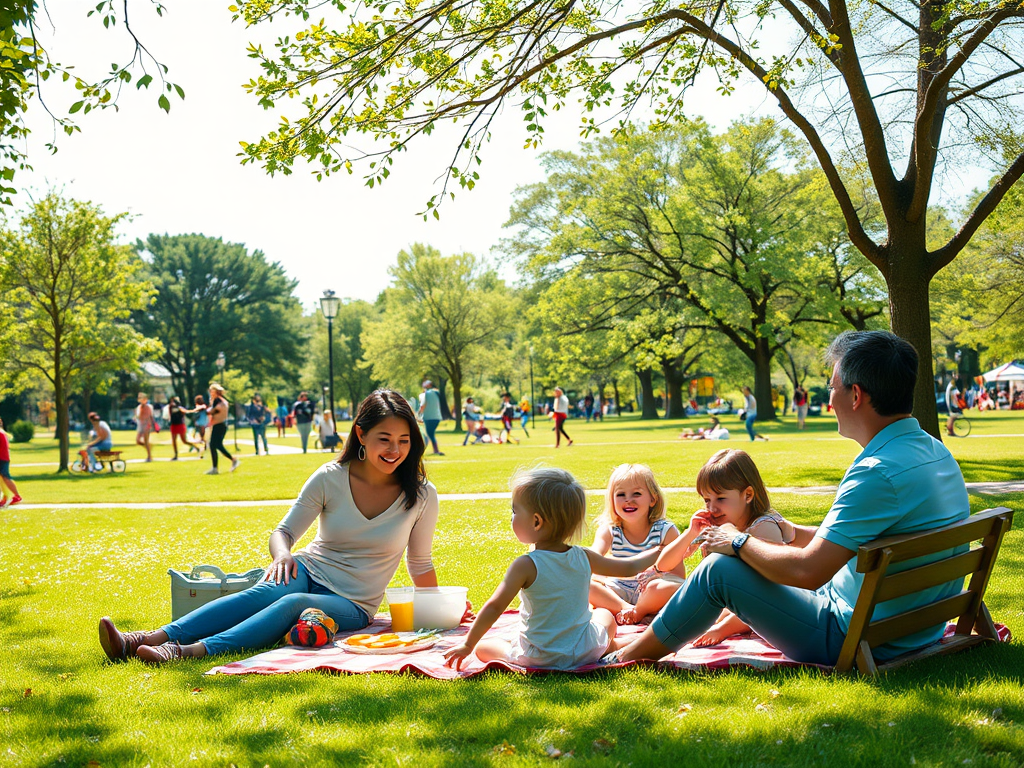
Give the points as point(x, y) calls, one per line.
point(371, 505)
point(560, 412)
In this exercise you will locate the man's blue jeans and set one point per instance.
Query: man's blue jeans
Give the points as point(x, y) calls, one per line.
point(749, 422)
point(260, 616)
point(102, 445)
point(258, 431)
point(796, 621)
point(431, 427)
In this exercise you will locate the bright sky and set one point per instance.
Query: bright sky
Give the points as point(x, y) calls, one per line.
point(179, 173)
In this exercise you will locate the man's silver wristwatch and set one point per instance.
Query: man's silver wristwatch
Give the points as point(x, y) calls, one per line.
point(738, 541)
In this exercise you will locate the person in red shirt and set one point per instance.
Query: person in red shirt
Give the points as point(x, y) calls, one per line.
point(5, 471)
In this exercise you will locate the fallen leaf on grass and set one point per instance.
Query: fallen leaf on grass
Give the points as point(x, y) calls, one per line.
point(92, 764)
point(555, 753)
point(504, 748)
point(684, 709)
point(762, 708)
point(774, 694)
point(28, 692)
point(603, 746)
point(196, 690)
point(65, 676)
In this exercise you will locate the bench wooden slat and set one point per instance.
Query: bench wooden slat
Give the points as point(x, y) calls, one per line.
point(913, 545)
point(903, 624)
point(947, 645)
point(931, 575)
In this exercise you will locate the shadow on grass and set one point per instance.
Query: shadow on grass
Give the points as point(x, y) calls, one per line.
point(997, 470)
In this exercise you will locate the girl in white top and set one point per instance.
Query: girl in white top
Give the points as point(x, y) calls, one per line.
point(371, 505)
point(734, 493)
point(558, 630)
point(633, 522)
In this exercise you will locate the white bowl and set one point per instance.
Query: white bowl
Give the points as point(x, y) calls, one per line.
point(438, 607)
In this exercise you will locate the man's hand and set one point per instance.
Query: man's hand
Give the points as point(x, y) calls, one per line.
point(719, 539)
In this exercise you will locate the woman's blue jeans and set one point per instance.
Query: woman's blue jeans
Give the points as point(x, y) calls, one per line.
point(260, 616)
point(431, 427)
point(799, 622)
point(749, 421)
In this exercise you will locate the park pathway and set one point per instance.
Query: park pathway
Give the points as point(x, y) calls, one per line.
point(996, 488)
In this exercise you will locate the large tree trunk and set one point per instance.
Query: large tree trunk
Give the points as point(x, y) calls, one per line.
point(86, 401)
point(648, 410)
point(911, 320)
point(457, 391)
point(618, 403)
point(60, 397)
point(763, 380)
point(676, 408)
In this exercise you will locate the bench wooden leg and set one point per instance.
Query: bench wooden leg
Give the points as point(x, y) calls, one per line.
point(865, 660)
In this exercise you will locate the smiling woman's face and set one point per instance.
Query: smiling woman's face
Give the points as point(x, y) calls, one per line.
point(387, 444)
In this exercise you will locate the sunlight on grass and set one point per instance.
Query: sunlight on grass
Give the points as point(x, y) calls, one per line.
point(62, 570)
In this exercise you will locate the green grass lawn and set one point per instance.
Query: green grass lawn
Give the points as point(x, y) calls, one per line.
point(61, 571)
point(817, 456)
point(61, 704)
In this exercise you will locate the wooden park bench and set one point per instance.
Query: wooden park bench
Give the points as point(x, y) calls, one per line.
point(974, 625)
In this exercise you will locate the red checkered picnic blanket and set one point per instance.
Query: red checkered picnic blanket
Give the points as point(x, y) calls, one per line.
point(737, 651)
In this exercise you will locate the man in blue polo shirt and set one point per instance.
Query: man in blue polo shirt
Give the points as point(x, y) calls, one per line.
point(800, 597)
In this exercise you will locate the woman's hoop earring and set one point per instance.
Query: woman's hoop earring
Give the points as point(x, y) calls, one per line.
point(362, 453)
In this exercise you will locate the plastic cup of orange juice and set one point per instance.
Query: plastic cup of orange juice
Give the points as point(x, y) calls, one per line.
point(400, 605)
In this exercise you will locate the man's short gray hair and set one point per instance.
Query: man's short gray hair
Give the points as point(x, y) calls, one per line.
point(880, 363)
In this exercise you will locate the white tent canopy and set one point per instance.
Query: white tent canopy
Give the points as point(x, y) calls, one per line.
point(1013, 371)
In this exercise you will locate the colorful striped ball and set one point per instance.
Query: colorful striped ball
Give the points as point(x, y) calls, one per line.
point(313, 630)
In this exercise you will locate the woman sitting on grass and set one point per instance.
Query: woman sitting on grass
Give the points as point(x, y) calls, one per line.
point(372, 505)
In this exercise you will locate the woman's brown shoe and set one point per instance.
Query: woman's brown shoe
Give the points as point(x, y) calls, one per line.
point(119, 646)
point(159, 654)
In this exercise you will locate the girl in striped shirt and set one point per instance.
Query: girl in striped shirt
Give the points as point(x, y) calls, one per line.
point(633, 522)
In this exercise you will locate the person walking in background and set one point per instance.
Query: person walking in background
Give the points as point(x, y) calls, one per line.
point(508, 412)
point(560, 412)
point(219, 428)
point(800, 404)
point(524, 414)
point(144, 424)
point(5, 471)
point(176, 415)
point(281, 417)
point(256, 414)
point(430, 413)
point(588, 406)
point(303, 412)
point(750, 415)
point(102, 440)
point(471, 414)
point(201, 422)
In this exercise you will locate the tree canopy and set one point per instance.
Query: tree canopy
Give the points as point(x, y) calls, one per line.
point(733, 230)
point(437, 317)
point(212, 297)
point(67, 292)
point(28, 70)
point(885, 91)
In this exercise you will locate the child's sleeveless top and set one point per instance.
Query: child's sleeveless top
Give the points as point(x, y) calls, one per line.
point(621, 546)
point(763, 528)
point(556, 631)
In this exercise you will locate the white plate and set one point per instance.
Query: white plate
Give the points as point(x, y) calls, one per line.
point(422, 645)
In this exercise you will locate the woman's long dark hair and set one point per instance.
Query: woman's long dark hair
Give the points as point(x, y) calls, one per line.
point(372, 411)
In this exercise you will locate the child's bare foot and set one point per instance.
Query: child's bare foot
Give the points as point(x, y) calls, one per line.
point(709, 638)
point(626, 617)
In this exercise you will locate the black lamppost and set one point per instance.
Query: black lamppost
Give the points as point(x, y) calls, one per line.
point(329, 306)
point(533, 402)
